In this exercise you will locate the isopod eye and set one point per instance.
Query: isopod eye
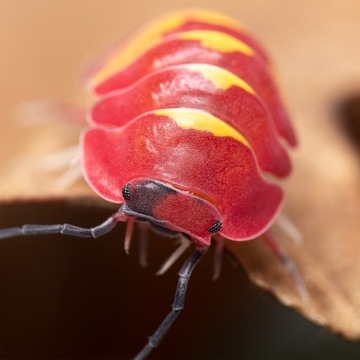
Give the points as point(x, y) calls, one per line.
point(126, 192)
point(216, 227)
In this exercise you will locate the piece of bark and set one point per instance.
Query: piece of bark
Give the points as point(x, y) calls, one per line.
point(315, 46)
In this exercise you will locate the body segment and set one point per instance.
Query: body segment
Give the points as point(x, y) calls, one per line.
point(206, 47)
point(200, 86)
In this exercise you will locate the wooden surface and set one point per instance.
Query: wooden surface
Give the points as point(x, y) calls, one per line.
point(315, 48)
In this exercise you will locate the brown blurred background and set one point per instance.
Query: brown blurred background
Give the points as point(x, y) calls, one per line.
point(66, 298)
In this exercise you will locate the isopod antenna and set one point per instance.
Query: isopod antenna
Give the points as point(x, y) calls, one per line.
point(64, 229)
point(178, 305)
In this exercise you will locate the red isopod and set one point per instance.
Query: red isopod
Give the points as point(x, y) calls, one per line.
point(188, 121)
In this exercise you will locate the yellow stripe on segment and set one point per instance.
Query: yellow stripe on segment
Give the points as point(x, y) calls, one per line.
point(188, 118)
point(126, 53)
point(221, 78)
point(137, 45)
point(212, 17)
point(217, 41)
point(121, 56)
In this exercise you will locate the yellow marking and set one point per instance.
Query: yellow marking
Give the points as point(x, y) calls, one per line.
point(220, 77)
point(207, 16)
point(124, 54)
point(188, 118)
point(217, 41)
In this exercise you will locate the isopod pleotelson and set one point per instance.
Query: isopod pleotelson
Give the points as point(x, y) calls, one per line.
point(187, 122)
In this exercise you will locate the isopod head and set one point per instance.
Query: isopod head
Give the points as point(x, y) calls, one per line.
point(167, 207)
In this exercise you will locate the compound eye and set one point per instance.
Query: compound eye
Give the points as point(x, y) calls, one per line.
point(216, 227)
point(126, 192)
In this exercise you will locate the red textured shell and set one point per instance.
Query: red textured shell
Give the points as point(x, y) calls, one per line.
point(190, 103)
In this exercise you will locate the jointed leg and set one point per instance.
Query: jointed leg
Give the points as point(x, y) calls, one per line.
point(64, 229)
point(178, 305)
point(184, 243)
point(289, 265)
point(219, 252)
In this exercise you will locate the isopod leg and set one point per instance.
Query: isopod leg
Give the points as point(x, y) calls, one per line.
point(184, 243)
point(63, 229)
point(40, 111)
point(128, 233)
point(178, 305)
point(289, 265)
point(219, 252)
point(143, 243)
point(289, 228)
